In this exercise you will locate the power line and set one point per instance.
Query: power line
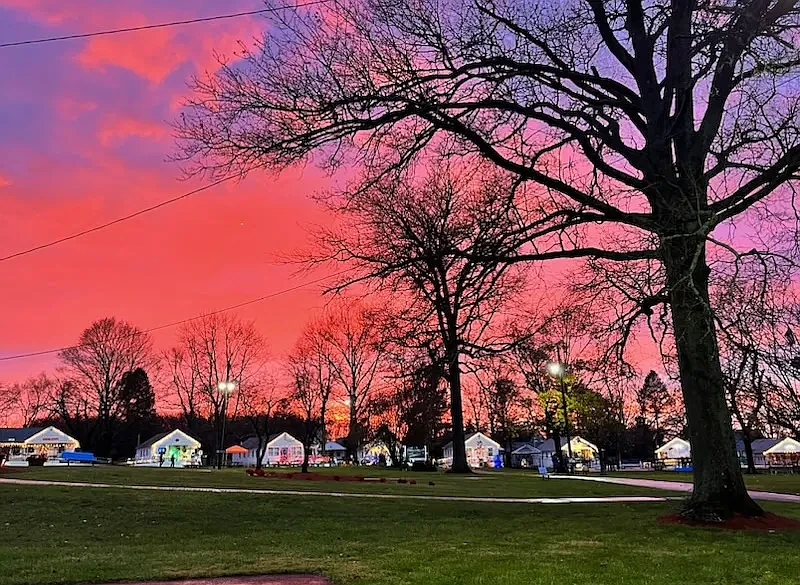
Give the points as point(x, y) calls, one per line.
point(157, 25)
point(102, 226)
point(181, 322)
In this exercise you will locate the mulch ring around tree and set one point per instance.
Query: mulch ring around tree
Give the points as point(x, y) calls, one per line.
point(766, 523)
point(289, 579)
point(325, 477)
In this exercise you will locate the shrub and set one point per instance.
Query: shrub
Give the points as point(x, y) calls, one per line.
point(423, 466)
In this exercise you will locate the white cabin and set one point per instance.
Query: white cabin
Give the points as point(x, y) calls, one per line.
point(481, 450)
point(50, 442)
point(785, 454)
point(674, 450)
point(282, 449)
point(170, 449)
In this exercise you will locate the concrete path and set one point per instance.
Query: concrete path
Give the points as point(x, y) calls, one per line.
point(555, 500)
point(677, 486)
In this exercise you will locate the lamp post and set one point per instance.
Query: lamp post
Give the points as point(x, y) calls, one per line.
point(557, 370)
point(225, 388)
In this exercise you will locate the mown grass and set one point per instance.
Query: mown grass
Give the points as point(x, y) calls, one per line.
point(82, 535)
point(510, 483)
point(785, 484)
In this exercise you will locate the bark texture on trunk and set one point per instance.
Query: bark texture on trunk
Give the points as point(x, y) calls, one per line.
point(719, 489)
point(747, 439)
point(459, 464)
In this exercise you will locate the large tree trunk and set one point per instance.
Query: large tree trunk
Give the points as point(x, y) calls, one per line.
point(719, 489)
point(459, 464)
point(747, 439)
point(352, 434)
point(558, 467)
point(306, 449)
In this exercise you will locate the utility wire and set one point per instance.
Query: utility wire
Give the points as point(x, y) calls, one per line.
point(157, 25)
point(103, 226)
point(181, 322)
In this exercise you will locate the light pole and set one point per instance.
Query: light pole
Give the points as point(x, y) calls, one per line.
point(225, 388)
point(557, 370)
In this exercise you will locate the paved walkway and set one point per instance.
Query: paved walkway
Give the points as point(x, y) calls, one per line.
point(556, 500)
point(677, 486)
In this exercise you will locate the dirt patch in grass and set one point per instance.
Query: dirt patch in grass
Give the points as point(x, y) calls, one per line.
point(766, 523)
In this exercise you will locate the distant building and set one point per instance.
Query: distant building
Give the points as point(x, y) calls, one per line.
point(758, 446)
point(674, 453)
point(527, 455)
point(281, 449)
point(481, 450)
point(582, 451)
point(786, 453)
point(50, 442)
point(160, 449)
point(333, 452)
point(370, 453)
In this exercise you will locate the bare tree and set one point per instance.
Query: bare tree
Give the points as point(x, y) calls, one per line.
point(781, 355)
point(106, 350)
point(184, 387)
point(666, 118)
point(745, 311)
point(261, 400)
point(6, 405)
point(312, 385)
point(216, 348)
point(412, 241)
point(351, 334)
point(411, 407)
point(27, 401)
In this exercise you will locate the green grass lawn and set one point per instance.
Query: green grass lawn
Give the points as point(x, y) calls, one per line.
point(786, 484)
point(509, 483)
point(81, 535)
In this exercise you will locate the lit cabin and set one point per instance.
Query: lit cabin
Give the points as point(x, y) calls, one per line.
point(784, 454)
point(161, 448)
point(48, 442)
point(674, 452)
point(481, 450)
point(282, 449)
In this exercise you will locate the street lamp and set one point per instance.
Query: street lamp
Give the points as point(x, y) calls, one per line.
point(557, 370)
point(225, 388)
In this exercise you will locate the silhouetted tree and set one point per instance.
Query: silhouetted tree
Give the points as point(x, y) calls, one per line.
point(215, 348)
point(312, 384)
point(351, 334)
point(105, 352)
point(662, 119)
point(28, 401)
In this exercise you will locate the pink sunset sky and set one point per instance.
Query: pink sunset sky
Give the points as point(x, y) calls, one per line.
point(85, 138)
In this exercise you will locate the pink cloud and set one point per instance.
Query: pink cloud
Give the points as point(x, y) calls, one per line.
point(119, 127)
point(153, 56)
point(4, 182)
